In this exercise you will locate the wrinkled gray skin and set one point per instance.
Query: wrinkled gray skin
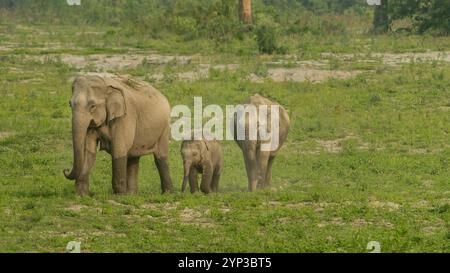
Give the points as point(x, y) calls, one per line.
point(258, 163)
point(205, 157)
point(129, 119)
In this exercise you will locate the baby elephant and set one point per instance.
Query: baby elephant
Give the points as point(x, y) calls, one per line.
point(202, 156)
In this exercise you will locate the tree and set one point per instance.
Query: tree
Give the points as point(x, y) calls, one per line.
point(381, 21)
point(245, 11)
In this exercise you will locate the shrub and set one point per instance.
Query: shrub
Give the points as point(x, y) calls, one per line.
point(266, 38)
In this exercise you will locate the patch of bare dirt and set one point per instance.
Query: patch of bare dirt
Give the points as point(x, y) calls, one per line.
point(115, 203)
point(34, 80)
point(431, 230)
point(5, 135)
point(191, 216)
point(76, 208)
point(337, 221)
point(422, 204)
point(149, 206)
point(319, 206)
point(254, 78)
point(224, 210)
point(391, 206)
point(302, 74)
point(393, 58)
point(359, 223)
point(386, 224)
point(202, 72)
point(108, 62)
point(9, 46)
point(422, 151)
point(160, 206)
point(335, 145)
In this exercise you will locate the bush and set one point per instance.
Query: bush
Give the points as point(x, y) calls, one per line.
point(266, 38)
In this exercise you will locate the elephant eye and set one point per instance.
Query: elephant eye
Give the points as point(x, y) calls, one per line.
point(194, 153)
point(92, 107)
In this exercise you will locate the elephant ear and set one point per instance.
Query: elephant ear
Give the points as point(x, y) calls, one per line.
point(115, 103)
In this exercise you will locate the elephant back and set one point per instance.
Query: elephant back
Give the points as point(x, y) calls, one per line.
point(138, 85)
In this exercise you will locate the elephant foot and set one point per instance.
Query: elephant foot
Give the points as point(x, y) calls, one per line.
point(132, 191)
point(82, 188)
point(120, 190)
point(167, 190)
point(206, 190)
point(252, 187)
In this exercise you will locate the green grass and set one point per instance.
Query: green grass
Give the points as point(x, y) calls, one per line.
point(386, 177)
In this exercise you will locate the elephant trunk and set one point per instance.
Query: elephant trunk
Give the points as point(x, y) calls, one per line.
point(187, 167)
point(79, 131)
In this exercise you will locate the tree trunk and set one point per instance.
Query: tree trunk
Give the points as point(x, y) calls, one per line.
point(245, 11)
point(381, 20)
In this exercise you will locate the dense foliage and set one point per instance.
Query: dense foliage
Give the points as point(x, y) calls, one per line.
point(218, 19)
point(428, 15)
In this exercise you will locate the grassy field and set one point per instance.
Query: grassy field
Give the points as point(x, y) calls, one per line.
point(367, 159)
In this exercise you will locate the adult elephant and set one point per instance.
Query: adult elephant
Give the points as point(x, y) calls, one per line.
point(129, 119)
point(259, 159)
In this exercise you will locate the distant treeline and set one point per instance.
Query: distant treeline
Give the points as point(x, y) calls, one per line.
point(219, 18)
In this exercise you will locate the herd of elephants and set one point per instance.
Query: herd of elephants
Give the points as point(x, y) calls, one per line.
point(128, 118)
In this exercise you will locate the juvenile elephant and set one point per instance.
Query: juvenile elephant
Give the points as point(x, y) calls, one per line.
point(258, 162)
point(129, 119)
point(202, 156)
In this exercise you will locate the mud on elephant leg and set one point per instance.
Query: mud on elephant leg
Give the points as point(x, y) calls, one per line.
point(119, 179)
point(132, 175)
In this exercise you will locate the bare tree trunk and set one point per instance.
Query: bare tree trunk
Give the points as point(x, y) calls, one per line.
point(381, 21)
point(245, 11)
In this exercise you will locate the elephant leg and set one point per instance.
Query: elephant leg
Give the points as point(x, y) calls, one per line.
point(263, 160)
point(162, 162)
point(132, 175)
point(193, 183)
point(215, 181)
point(249, 152)
point(207, 176)
point(185, 180)
point(163, 170)
point(269, 171)
point(119, 179)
